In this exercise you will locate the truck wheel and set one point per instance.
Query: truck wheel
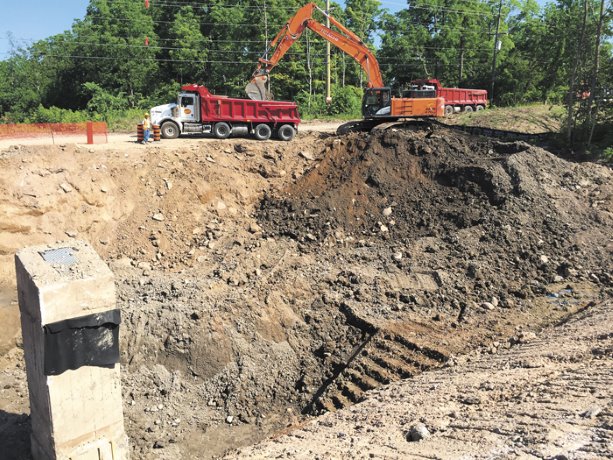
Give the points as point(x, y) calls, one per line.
point(169, 130)
point(222, 130)
point(262, 132)
point(468, 108)
point(448, 110)
point(479, 108)
point(286, 132)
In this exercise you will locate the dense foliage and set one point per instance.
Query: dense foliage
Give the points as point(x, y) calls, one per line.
point(123, 55)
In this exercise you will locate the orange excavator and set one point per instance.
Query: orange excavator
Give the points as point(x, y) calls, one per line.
point(378, 104)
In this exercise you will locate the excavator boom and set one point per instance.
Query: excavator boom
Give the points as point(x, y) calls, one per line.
point(378, 105)
point(345, 40)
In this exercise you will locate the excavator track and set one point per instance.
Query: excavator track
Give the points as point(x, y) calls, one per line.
point(366, 126)
point(359, 126)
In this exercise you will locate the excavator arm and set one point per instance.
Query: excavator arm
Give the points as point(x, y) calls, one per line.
point(345, 40)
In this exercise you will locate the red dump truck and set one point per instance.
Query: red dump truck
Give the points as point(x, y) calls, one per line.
point(456, 99)
point(197, 111)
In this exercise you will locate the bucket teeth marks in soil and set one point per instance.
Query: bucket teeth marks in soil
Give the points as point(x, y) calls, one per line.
point(360, 380)
point(386, 358)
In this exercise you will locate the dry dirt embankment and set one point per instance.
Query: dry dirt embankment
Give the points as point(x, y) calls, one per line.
point(262, 283)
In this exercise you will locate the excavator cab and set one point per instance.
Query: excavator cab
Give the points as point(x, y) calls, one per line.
point(376, 102)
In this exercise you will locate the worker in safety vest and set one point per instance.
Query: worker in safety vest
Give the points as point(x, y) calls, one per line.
point(146, 128)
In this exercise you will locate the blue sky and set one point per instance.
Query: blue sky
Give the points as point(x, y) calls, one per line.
point(37, 19)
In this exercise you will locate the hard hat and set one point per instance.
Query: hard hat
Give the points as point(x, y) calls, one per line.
point(146, 115)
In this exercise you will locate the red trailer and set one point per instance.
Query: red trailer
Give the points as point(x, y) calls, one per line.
point(456, 99)
point(199, 111)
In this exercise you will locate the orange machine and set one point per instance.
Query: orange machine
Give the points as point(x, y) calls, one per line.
point(378, 103)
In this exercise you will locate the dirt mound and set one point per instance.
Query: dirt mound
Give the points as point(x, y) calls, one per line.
point(420, 182)
point(527, 212)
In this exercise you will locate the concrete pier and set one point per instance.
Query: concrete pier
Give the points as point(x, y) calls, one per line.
point(70, 328)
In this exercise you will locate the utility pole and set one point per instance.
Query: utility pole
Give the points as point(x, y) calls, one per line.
point(328, 92)
point(266, 44)
point(496, 45)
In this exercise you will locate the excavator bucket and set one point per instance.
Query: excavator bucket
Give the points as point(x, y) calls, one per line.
point(256, 88)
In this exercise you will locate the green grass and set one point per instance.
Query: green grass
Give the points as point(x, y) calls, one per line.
point(532, 118)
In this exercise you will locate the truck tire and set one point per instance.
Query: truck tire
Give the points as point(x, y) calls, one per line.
point(448, 110)
point(169, 130)
point(479, 108)
point(262, 132)
point(222, 130)
point(468, 108)
point(286, 133)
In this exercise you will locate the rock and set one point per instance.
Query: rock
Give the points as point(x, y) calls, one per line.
point(144, 266)
point(471, 400)
point(168, 184)
point(306, 155)
point(158, 217)
point(591, 412)
point(158, 445)
point(387, 212)
point(229, 419)
point(397, 256)
point(558, 279)
point(525, 337)
point(495, 302)
point(384, 229)
point(66, 187)
point(104, 189)
point(487, 305)
point(71, 233)
point(544, 259)
point(240, 148)
point(418, 432)
point(310, 237)
point(254, 228)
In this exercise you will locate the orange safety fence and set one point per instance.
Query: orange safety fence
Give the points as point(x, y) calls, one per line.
point(88, 131)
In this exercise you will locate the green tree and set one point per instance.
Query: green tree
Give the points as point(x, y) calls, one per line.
point(189, 47)
point(111, 39)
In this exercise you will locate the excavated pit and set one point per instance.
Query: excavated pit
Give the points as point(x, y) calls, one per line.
point(258, 286)
point(483, 237)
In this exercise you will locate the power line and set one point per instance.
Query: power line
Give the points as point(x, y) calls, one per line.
point(126, 45)
point(384, 61)
point(204, 6)
point(468, 2)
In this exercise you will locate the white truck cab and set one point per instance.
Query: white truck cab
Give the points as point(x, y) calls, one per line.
point(183, 112)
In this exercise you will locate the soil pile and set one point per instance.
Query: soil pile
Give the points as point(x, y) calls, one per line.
point(506, 213)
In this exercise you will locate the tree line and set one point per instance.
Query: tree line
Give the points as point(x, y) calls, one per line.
point(131, 54)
